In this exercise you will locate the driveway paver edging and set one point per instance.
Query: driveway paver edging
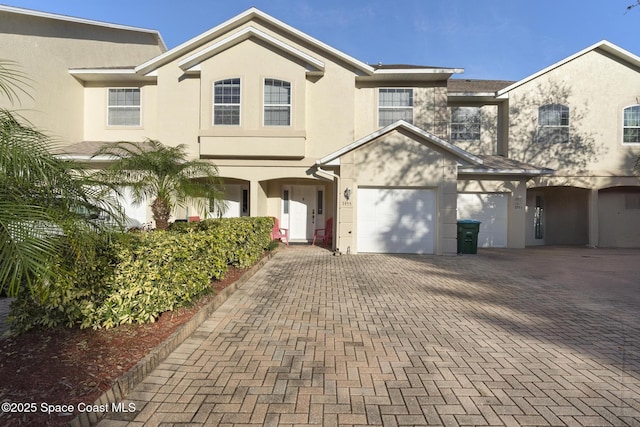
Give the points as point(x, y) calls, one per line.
point(137, 374)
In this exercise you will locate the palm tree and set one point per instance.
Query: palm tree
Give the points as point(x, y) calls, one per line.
point(163, 174)
point(43, 202)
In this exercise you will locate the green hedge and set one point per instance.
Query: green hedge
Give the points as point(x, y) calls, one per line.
point(141, 275)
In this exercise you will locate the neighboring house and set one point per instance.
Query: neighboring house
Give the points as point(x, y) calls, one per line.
point(396, 154)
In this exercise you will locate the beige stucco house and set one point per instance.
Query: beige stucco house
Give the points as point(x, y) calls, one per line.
point(395, 154)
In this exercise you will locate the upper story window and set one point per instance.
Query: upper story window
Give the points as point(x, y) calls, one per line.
point(553, 123)
point(631, 125)
point(277, 103)
point(465, 123)
point(393, 105)
point(226, 102)
point(124, 107)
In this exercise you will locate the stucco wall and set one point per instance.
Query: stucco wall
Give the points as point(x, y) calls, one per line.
point(596, 88)
point(46, 48)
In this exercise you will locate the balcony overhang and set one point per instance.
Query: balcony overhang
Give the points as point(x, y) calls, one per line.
point(253, 147)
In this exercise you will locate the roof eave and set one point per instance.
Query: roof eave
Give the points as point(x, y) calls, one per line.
point(106, 75)
point(462, 170)
point(48, 15)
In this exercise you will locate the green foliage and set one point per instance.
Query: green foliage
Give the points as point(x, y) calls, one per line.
point(162, 174)
point(41, 197)
point(137, 276)
point(243, 239)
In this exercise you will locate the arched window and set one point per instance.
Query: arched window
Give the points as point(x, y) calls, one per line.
point(553, 124)
point(277, 103)
point(631, 125)
point(226, 102)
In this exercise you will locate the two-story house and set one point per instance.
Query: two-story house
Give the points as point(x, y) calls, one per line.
point(395, 154)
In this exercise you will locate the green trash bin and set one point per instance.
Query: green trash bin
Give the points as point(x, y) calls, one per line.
point(468, 230)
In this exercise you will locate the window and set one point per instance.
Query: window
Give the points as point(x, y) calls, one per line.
point(537, 218)
point(277, 103)
point(320, 202)
point(226, 102)
point(465, 124)
point(285, 197)
point(245, 202)
point(394, 105)
point(553, 124)
point(124, 107)
point(631, 125)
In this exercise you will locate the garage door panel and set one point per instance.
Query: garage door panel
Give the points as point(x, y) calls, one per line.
point(396, 220)
point(492, 211)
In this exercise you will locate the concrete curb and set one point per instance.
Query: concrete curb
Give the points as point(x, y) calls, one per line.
point(127, 382)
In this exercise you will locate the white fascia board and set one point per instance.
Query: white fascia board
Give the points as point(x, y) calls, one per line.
point(85, 157)
point(240, 19)
point(604, 45)
point(66, 18)
point(410, 71)
point(401, 124)
point(107, 74)
point(192, 61)
point(527, 172)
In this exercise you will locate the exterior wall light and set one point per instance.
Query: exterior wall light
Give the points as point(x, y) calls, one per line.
point(347, 193)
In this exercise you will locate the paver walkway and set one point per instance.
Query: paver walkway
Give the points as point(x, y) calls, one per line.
point(314, 339)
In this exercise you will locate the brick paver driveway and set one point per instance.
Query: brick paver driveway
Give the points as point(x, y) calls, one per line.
point(316, 339)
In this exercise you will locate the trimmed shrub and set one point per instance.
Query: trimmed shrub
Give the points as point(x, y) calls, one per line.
point(141, 275)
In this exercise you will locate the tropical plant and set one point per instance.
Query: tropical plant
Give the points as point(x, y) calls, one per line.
point(44, 202)
point(162, 174)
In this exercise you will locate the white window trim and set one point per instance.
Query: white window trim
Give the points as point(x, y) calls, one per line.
point(631, 127)
point(213, 103)
point(109, 107)
point(413, 93)
point(264, 104)
point(567, 126)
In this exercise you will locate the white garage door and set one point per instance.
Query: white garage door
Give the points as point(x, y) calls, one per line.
point(392, 220)
point(491, 209)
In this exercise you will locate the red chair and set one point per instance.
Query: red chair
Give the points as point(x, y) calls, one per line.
point(326, 233)
point(277, 232)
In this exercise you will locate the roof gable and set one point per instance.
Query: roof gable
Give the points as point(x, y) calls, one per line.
point(191, 63)
point(419, 135)
point(603, 45)
point(252, 14)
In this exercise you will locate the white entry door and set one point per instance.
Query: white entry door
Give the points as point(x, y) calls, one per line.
point(300, 211)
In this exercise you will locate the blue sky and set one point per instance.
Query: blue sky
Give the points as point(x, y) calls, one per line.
point(490, 39)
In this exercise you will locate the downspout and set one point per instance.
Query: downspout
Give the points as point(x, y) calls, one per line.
point(336, 187)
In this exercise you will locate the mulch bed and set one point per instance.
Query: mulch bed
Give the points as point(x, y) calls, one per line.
point(64, 366)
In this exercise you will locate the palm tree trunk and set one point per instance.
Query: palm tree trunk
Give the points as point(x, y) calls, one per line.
point(161, 212)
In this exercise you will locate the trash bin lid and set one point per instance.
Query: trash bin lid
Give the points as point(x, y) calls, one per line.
point(469, 221)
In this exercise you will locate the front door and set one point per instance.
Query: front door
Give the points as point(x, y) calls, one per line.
point(300, 211)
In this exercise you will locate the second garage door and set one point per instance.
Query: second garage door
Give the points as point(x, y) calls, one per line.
point(491, 209)
point(396, 220)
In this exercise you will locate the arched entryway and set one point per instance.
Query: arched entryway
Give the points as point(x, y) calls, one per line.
point(557, 216)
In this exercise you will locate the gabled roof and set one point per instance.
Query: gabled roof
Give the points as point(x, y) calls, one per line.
point(420, 134)
point(243, 18)
point(47, 15)
point(361, 69)
point(603, 45)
